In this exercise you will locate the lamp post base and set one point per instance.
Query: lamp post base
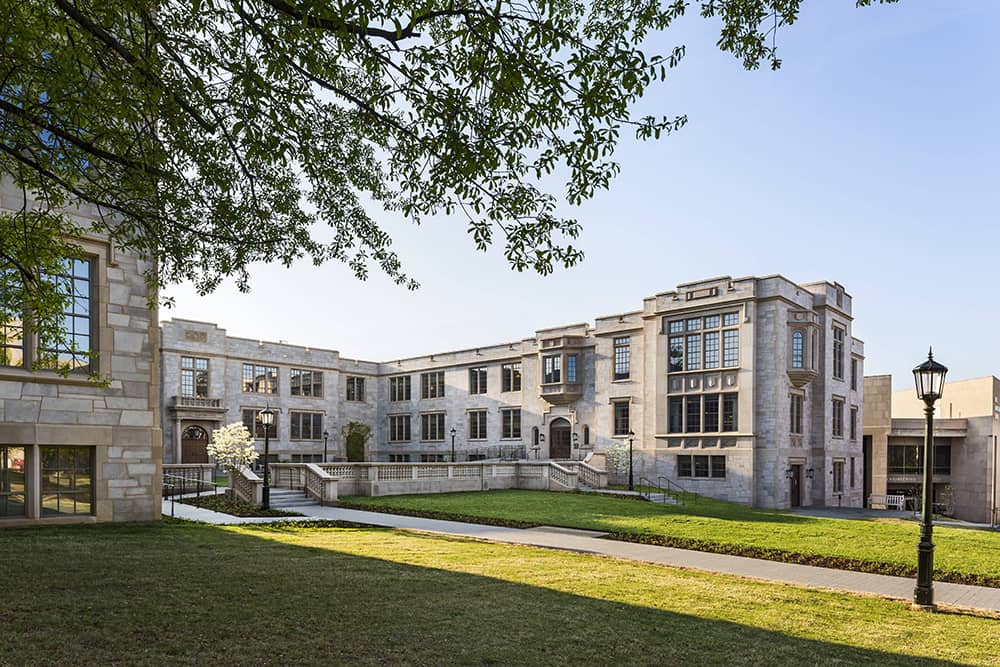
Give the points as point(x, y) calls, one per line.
point(924, 607)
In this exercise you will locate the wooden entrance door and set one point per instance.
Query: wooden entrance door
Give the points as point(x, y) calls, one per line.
point(194, 445)
point(559, 437)
point(796, 486)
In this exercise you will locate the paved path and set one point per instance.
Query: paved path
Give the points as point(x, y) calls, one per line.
point(590, 542)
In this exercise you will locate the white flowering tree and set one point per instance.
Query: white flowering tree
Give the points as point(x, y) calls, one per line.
point(232, 447)
point(616, 457)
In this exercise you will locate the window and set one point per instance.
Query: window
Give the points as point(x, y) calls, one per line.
point(399, 458)
point(693, 350)
point(255, 427)
point(194, 377)
point(854, 374)
point(11, 347)
point(693, 324)
point(798, 350)
point(712, 321)
point(908, 459)
point(74, 281)
point(692, 406)
point(675, 410)
point(432, 458)
point(307, 458)
point(730, 319)
point(67, 480)
point(838, 353)
point(260, 379)
point(712, 349)
point(623, 353)
point(796, 411)
point(711, 413)
point(510, 375)
point(677, 326)
point(551, 369)
point(432, 384)
point(477, 380)
point(399, 388)
point(306, 425)
point(838, 418)
point(510, 420)
point(621, 417)
point(852, 473)
point(838, 476)
point(586, 436)
point(731, 348)
point(355, 389)
point(306, 383)
point(432, 427)
point(399, 428)
point(676, 354)
point(701, 466)
point(13, 491)
point(477, 425)
point(570, 368)
point(730, 409)
point(854, 422)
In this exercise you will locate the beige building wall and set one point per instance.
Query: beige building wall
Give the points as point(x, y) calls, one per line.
point(877, 425)
point(118, 424)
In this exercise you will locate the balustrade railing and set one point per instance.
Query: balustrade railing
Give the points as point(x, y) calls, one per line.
point(247, 486)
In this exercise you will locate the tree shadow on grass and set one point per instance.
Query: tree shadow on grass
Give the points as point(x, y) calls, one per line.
point(186, 594)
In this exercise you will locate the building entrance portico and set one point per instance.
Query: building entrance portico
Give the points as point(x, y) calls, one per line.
point(559, 439)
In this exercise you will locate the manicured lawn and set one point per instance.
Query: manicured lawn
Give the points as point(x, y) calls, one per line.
point(710, 523)
point(179, 594)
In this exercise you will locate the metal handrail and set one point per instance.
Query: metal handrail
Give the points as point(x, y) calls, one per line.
point(175, 482)
point(676, 491)
point(644, 489)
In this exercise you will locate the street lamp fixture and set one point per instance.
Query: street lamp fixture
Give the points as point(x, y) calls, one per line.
point(266, 419)
point(929, 379)
point(631, 437)
point(453, 432)
point(326, 438)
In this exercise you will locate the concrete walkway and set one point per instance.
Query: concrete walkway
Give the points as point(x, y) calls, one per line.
point(590, 542)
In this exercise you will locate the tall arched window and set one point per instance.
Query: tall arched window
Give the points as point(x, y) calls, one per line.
point(534, 436)
point(797, 350)
point(586, 435)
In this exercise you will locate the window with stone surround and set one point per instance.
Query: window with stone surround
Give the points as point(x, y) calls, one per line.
point(711, 350)
point(75, 283)
point(692, 352)
point(622, 356)
point(838, 417)
point(798, 350)
point(710, 413)
point(854, 422)
point(67, 480)
point(570, 368)
point(432, 384)
point(552, 368)
point(704, 466)
point(477, 424)
point(305, 425)
point(194, 377)
point(854, 374)
point(675, 414)
point(796, 414)
point(399, 388)
point(838, 352)
point(259, 379)
point(13, 482)
point(12, 344)
point(399, 428)
point(306, 383)
point(510, 424)
point(838, 476)
point(254, 426)
point(399, 458)
point(730, 348)
point(510, 375)
point(432, 458)
point(477, 380)
point(620, 416)
point(676, 354)
point(355, 388)
point(692, 412)
point(730, 412)
point(432, 427)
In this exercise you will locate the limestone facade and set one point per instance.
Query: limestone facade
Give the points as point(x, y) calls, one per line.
point(70, 449)
point(966, 431)
point(742, 389)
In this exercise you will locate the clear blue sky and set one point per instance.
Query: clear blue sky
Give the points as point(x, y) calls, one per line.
point(870, 158)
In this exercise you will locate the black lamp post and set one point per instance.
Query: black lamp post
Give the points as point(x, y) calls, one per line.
point(453, 432)
point(631, 437)
point(266, 419)
point(929, 378)
point(326, 438)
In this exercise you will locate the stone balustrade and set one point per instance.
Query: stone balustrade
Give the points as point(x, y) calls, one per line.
point(248, 487)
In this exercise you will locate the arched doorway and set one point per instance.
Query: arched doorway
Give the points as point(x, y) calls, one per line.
point(559, 439)
point(194, 445)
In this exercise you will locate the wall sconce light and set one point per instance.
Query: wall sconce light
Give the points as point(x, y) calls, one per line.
point(789, 473)
point(810, 472)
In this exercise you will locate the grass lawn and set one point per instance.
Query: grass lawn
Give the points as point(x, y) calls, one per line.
point(890, 545)
point(221, 502)
point(178, 593)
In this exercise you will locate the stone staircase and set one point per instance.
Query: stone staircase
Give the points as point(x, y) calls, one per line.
point(285, 498)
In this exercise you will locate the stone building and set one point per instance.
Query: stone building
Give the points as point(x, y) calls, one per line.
point(70, 449)
point(966, 426)
point(748, 390)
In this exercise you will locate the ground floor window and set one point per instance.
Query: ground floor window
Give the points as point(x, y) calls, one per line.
point(838, 476)
point(12, 482)
point(399, 458)
point(307, 458)
point(701, 466)
point(67, 480)
point(432, 458)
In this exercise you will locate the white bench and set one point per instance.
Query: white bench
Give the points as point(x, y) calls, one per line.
point(889, 502)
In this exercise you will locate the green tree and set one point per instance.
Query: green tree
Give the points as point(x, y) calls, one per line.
point(356, 435)
point(216, 133)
